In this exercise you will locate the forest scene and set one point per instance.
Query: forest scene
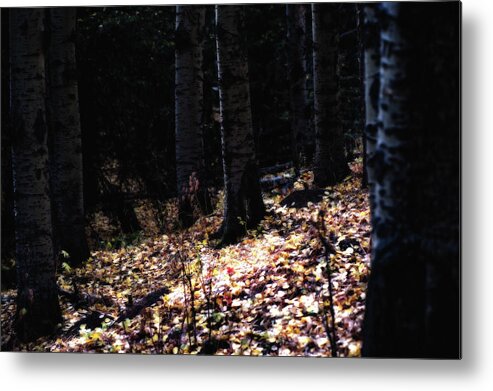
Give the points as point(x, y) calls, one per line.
point(259, 180)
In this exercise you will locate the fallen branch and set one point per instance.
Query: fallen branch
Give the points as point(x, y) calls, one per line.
point(136, 308)
point(96, 319)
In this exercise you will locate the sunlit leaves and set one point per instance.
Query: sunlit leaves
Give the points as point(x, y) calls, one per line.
point(264, 296)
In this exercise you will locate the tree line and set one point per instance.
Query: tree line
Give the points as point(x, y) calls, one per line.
point(386, 73)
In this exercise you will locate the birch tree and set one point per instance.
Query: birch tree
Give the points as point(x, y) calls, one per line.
point(189, 94)
point(330, 161)
point(413, 298)
point(243, 203)
point(65, 136)
point(38, 310)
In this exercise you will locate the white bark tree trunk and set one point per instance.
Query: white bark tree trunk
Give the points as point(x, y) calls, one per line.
point(38, 310)
point(413, 298)
point(243, 198)
point(65, 137)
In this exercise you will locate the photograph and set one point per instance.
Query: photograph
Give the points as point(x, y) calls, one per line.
point(275, 179)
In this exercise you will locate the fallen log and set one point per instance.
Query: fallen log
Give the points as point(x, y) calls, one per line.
point(95, 319)
point(136, 308)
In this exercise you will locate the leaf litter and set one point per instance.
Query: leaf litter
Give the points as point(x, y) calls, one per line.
point(265, 296)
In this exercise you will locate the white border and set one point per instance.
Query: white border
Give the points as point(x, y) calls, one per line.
point(473, 372)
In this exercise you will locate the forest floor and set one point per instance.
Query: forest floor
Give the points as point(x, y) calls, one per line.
point(176, 293)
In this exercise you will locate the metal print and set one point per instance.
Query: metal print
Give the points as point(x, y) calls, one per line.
point(261, 180)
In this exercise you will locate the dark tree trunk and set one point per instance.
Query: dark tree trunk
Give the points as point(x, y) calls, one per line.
point(330, 164)
point(65, 137)
point(117, 206)
point(413, 298)
point(7, 220)
point(349, 78)
point(371, 44)
point(301, 137)
point(189, 96)
point(38, 310)
point(361, 50)
point(243, 204)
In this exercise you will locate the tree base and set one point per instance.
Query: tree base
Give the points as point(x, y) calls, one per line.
point(36, 318)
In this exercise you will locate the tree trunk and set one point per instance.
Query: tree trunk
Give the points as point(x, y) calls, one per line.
point(117, 207)
point(301, 137)
point(371, 45)
point(7, 221)
point(38, 310)
point(65, 137)
point(330, 164)
point(243, 204)
point(189, 96)
point(361, 54)
point(413, 298)
point(349, 77)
